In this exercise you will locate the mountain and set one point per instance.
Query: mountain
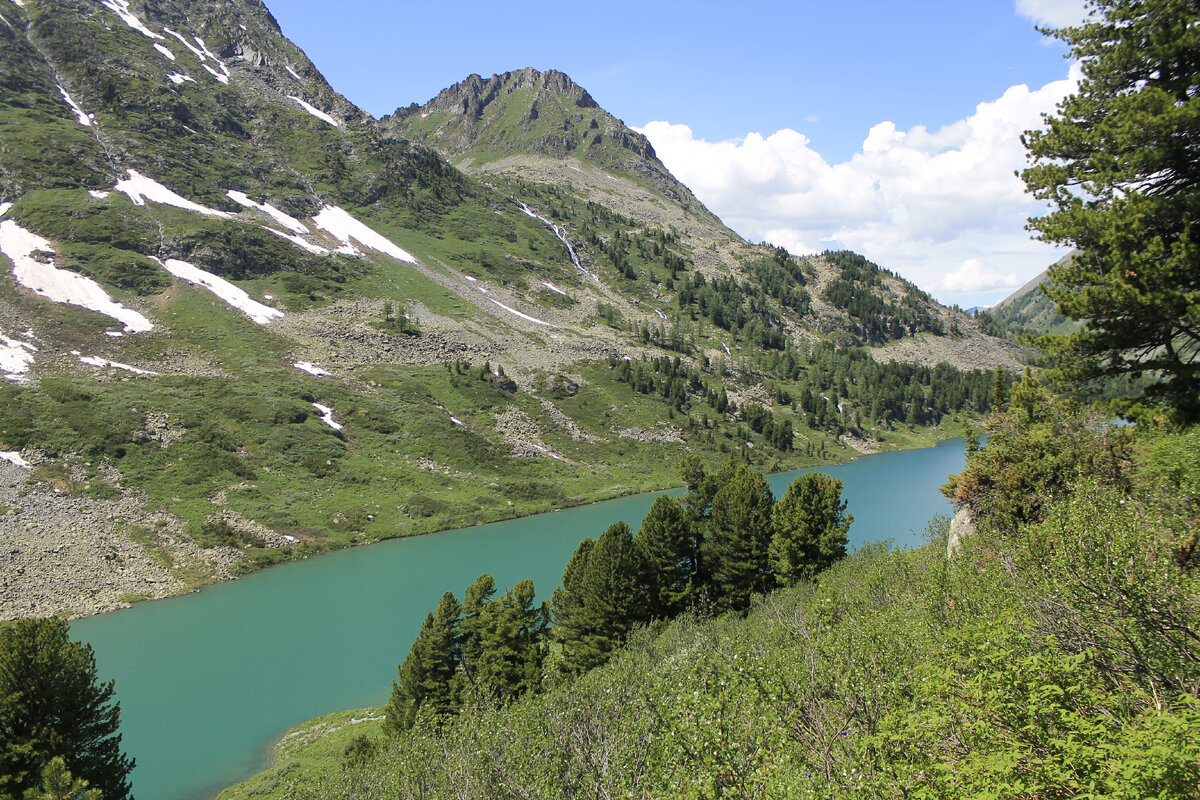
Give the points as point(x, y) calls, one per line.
point(1029, 310)
point(242, 321)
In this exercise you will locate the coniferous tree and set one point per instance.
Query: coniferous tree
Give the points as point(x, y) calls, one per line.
point(471, 624)
point(810, 526)
point(52, 706)
point(567, 599)
point(669, 557)
point(426, 678)
point(510, 629)
point(1117, 163)
point(739, 537)
point(611, 601)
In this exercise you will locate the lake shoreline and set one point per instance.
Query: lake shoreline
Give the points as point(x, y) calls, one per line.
point(76, 608)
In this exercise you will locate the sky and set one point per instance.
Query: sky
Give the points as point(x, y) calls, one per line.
point(887, 127)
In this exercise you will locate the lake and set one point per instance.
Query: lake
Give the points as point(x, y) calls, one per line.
point(208, 681)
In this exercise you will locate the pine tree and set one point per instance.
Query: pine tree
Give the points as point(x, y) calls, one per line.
point(669, 557)
point(1117, 163)
point(810, 526)
point(52, 706)
point(426, 678)
point(738, 537)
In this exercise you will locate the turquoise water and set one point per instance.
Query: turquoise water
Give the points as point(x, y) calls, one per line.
point(207, 681)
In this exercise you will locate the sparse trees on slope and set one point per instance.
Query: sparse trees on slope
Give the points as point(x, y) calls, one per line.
point(52, 705)
point(1118, 163)
point(810, 527)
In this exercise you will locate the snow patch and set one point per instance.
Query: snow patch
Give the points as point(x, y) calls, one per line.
point(554, 288)
point(60, 285)
point(20, 3)
point(15, 358)
point(96, 361)
point(471, 279)
point(296, 240)
point(4, 207)
point(163, 49)
point(456, 420)
point(96, 193)
point(311, 369)
point(13, 457)
point(140, 189)
point(522, 316)
point(83, 117)
point(121, 9)
point(284, 219)
point(344, 227)
point(196, 51)
point(233, 295)
point(316, 112)
point(661, 315)
point(114, 334)
point(179, 77)
point(292, 72)
point(327, 416)
point(215, 74)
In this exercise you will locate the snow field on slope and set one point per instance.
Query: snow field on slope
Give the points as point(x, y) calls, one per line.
point(233, 295)
point(284, 219)
point(15, 358)
point(522, 316)
point(96, 361)
point(121, 9)
point(344, 227)
point(14, 458)
point(84, 118)
point(140, 189)
point(311, 368)
point(60, 285)
point(163, 49)
point(179, 77)
point(327, 416)
point(316, 112)
point(296, 240)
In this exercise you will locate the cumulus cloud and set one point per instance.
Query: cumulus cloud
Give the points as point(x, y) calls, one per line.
point(1055, 13)
point(973, 276)
point(921, 202)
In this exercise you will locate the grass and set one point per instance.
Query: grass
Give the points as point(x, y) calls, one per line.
point(308, 751)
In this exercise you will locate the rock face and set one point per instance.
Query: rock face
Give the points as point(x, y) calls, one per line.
point(961, 527)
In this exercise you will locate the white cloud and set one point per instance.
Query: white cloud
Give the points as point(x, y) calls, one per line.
point(973, 276)
point(920, 202)
point(1055, 13)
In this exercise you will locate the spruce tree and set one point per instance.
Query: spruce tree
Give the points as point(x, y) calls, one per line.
point(611, 601)
point(810, 526)
point(669, 557)
point(567, 600)
point(426, 678)
point(510, 631)
point(471, 624)
point(739, 536)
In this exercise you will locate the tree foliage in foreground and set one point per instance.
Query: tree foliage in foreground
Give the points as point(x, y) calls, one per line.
point(52, 707)
point(1118, 164)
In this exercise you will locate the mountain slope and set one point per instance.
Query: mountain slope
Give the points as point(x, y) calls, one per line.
point(1028, 310)
point(241, 321)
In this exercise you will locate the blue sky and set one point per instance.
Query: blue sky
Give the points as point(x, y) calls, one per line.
point(871, 132)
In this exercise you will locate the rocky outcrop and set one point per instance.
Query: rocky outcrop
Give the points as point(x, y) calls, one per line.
point(961, 527)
